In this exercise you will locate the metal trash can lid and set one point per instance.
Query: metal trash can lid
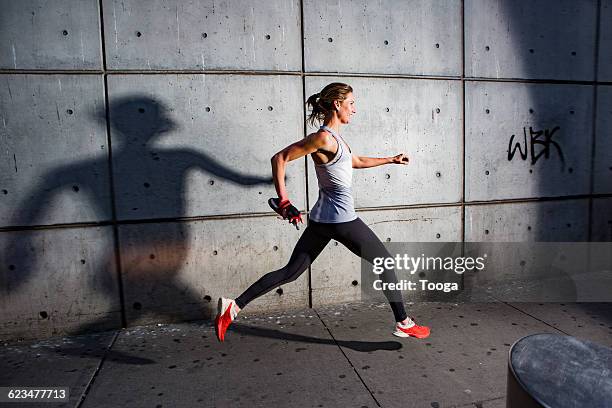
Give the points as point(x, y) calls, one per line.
point(562, 371)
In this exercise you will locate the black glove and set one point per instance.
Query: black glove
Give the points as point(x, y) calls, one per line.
point(286, 210)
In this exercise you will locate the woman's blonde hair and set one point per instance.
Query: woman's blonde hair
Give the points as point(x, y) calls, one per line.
point(322, 103)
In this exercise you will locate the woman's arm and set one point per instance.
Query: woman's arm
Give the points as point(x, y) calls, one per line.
point(308, 145)
point(360, 162)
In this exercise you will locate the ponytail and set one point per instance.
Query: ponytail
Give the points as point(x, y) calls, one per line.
point(322, 103)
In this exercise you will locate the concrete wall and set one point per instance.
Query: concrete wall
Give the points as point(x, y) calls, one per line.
point(136, 136)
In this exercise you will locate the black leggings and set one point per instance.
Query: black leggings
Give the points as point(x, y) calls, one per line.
point(355, 235)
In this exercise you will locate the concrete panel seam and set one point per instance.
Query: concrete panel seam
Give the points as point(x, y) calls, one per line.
point(256, 215)
point(102, 44)
point(538, 199)
point(51, 71)
point(594, 120)
point(299, 73)
point(462, 121)
point(535, 81)
point(116, 244)
point(304, 133)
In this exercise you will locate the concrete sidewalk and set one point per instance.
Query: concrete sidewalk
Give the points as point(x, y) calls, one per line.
point(335, 356)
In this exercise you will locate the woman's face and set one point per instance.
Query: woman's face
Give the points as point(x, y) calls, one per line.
point(346, 108)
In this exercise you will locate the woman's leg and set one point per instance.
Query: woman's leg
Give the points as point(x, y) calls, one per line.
point(308, 247)
point(362, 241)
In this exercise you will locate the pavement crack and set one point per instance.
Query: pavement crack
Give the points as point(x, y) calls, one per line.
point(348, 360)
point(95, 373)
point(536, 318)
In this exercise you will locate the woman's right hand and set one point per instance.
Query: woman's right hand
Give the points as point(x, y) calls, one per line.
point(285, 209)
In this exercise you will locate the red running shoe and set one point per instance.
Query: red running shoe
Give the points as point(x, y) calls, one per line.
point(225, 316)
point(408, 328)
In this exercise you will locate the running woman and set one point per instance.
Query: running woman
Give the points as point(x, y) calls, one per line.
point(333, 215)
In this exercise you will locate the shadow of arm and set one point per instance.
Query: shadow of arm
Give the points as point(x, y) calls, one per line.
point(215, 168)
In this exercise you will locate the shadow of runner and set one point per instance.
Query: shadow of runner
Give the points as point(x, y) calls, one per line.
point(362, 346)
point(108, 355)
point(150, 182)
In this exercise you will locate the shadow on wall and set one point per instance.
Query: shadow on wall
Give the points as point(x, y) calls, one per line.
point(558, 143)
point(138, 123)
point(552, 150)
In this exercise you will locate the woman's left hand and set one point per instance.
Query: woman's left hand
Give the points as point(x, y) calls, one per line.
point(400, 159)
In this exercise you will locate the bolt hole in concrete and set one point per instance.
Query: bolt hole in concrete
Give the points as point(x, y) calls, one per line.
point(487, 111)
point(204, 35)
point(6, 191)
point(388, 239)
point(75, 188)
point(137, 306)
point(531, 50)
point(330, 39)
point(437, 45)
point(82, 261)
point(270, 108)
point(267, 36)
point(207, 298)
point(279, 291)
point(437, 110)
point(572, 112)
point(43, 314)
point(530, 110)
point(141, 110)
point(438, 174)
point(386, 42)
point(70, 111)
point(215, 252)
point(529, 228)
point(275, 248)
point(438, 236)
point(336, 243)
point(487, 48)
point(207, 109)
point(138, 34)
point(65, 32)
point(147, 185)
point(574, 53)
point(530, 171)
point(354, 283)
point(387, 109)
point(487, 172)
point(486, 232)
point(387, 176)
point(211, 182)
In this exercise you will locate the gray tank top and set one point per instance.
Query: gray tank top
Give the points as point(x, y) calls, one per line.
point(335, 178)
